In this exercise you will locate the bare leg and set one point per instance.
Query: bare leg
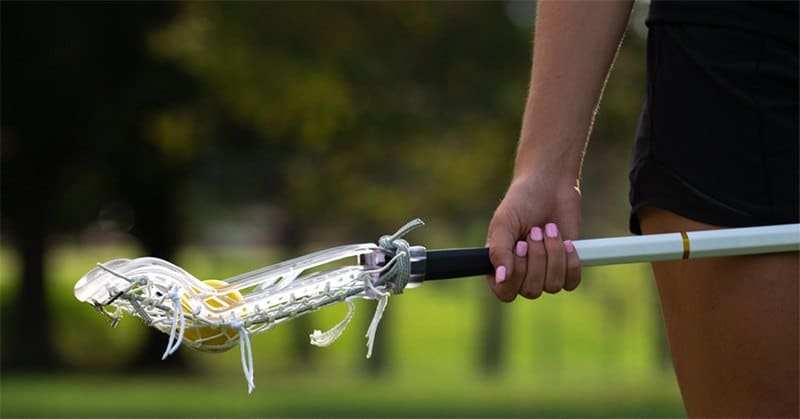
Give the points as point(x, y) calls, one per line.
point(732, 324)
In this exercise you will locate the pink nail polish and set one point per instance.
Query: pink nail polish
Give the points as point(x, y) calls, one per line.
point(500, 274)
point(551, 230)
point(522, 248)
point(568, 246)
point(536, 234)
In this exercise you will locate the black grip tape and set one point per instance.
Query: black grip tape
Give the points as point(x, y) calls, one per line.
point(457, 263)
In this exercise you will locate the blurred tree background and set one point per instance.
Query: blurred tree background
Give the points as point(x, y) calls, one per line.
point(226, 136)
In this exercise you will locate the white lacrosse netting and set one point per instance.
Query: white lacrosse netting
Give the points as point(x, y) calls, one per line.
point(214, 316)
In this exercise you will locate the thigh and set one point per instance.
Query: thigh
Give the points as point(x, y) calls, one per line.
point(732, 324)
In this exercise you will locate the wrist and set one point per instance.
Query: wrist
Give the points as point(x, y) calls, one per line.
point(548, 182)
point(552, 161)
point(551, 144)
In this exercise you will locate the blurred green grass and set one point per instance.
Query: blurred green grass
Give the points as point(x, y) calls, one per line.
point(586, 353)
point(326, 395)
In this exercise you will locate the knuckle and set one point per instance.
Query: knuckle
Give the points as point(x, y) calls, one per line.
point(496, 253)
point(552, 288)
point(501, 291)
point(537, 249)
point(520, 268)
point(505, 297)
point(573, 284)
point(554, 246)
point(574, 264)
point(531, 294)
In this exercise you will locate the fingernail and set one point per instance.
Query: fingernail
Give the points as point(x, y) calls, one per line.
point(536, 234)
point(522, 248)
point(500, 274)
point(551, 230)
point(568, 246)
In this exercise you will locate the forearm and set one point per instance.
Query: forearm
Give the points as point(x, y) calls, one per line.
point(575, 44)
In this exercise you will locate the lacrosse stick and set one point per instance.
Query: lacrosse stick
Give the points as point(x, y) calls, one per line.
point(215, 316)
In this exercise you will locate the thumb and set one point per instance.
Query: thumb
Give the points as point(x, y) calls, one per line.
point(501, 240)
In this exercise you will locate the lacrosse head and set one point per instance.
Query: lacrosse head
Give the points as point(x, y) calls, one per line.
point(163, 294)
point(214, 316)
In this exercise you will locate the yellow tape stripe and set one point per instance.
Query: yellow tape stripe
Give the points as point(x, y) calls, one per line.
point(686, 248)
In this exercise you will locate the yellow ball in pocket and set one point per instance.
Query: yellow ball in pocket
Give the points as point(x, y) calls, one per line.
point(213, 339)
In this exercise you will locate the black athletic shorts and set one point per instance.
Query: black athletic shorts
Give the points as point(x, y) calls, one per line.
point(717, 139)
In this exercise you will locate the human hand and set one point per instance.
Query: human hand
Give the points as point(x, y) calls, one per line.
point(530, 235)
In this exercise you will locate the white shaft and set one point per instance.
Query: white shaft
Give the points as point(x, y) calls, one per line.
point(696, 244)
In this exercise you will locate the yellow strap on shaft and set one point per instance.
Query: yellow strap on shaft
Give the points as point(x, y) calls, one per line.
point(686, 248)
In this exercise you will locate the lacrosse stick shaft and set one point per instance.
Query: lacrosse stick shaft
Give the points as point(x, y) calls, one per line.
point(455, 263)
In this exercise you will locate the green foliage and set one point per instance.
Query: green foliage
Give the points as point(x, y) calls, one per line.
point(348, 118)
point(369, 113)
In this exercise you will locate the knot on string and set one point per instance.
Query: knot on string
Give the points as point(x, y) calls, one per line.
point(400, 272)
point(395, 277)
point(177, 317)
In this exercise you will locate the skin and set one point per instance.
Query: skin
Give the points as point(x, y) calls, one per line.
point(569, 71)
point(732, 322)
